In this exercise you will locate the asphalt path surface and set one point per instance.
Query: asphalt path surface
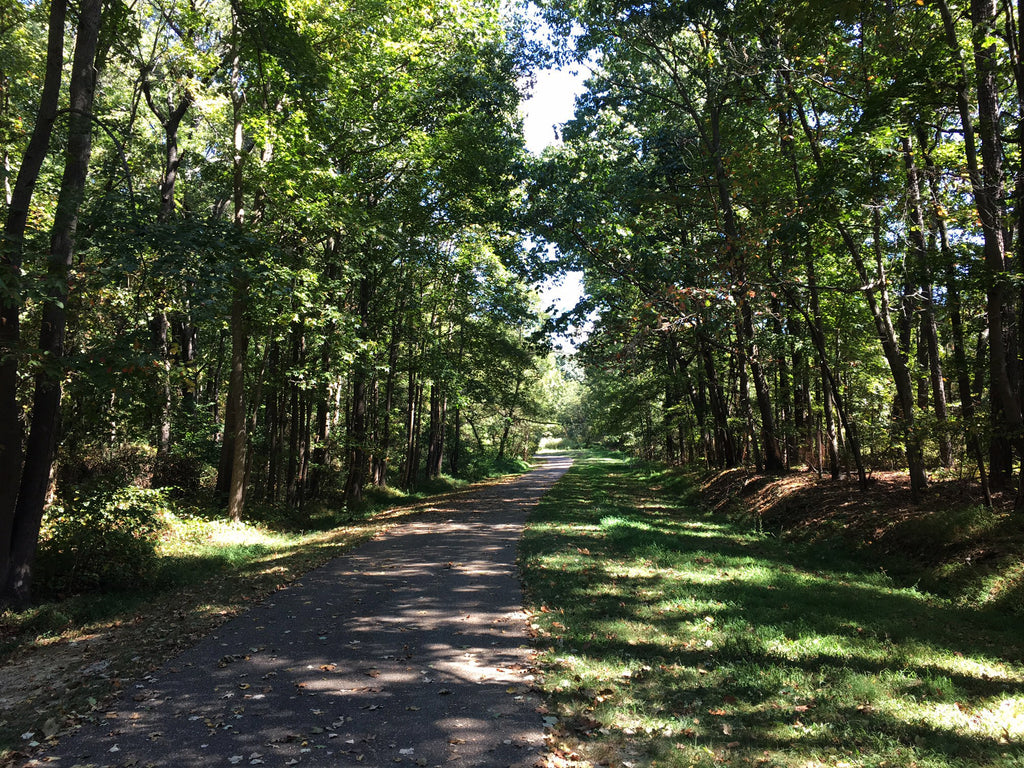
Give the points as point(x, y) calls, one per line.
point(409, 650)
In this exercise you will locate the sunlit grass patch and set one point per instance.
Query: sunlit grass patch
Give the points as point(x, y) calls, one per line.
point(671, 639)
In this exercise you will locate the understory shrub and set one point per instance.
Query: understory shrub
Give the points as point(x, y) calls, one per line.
point(101, 541)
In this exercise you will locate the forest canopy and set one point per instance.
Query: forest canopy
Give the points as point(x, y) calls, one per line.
point(801, 226)
point(278, 253)
point(270, 249)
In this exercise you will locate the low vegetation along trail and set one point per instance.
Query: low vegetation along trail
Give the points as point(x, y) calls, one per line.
point(409, 650)
point(670, 636)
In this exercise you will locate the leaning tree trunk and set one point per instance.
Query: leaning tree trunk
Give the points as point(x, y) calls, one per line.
point(11, 248)
point(987, 186)
point(42, 441)
point(954, 308)
point(750, 354)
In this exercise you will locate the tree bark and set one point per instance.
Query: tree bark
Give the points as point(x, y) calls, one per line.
point(358, 454)
point(436, 433)
point(954, 309)
point(231, 477)
point(235, 407)
point(989, 197)
point(11, 250)
point(42, 440)
point(876, 293)
point(929, 330)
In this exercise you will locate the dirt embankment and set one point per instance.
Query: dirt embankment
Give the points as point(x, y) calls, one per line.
point(948, 543)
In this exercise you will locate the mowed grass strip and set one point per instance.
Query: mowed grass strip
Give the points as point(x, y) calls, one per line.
point(670, 638)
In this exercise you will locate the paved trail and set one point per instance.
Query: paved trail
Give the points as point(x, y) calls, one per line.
point(410, 650)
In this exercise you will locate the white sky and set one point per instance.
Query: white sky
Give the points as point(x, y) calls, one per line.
point(552, 103)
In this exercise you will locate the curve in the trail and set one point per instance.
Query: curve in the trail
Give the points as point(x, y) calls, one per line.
point(409, 650)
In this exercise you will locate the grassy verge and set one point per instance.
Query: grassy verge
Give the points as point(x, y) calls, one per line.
point(670, 638)
point(62, 659)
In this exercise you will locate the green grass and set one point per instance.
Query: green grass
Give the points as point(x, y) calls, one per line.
point(668, 637)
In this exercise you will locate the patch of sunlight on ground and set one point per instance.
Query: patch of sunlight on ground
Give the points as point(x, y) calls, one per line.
point(1002, 719)
point(951, 662)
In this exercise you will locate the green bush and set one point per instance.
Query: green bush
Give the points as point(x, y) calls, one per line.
point(101, 542)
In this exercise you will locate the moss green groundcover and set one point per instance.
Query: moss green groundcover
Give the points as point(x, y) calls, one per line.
point(671, 638)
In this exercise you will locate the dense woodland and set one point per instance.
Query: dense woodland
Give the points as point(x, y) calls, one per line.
point(267, 248)
point(802, 230)
point(272, 252)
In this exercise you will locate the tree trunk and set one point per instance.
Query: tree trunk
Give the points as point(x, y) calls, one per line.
point(929, 331)
point(876, 292)
point(236, 435)
point(231, 477)
point(987, 186)
point(954, 308)
point(292, 479)
point(42, 441)
point(745, 328)
point(170, 121)
point(726, 452)
point(989, 198)
point(455, 454)
point(358, 453)
point(509, 419)
point(438, 427)
point(380, 478)
point(11, 249)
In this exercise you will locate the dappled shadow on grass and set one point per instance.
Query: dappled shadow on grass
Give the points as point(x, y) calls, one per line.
point(667, 627)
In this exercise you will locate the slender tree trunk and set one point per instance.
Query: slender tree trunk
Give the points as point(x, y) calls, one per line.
point(409, 460)
point(235, 405)
point(876, 292)
point(455, 454)
point(954, 309)
point(170, 120)
point(319, 455)
point(831, 392)
point(235, 444)
point(358, 454)
point(384, 442)
point(990, 209)
point(725, 442)
point(436, 433)
point(293, 479)
point(271, 426)
point(42, 440)
point(929, 330)
point(987, 186)
point(509, 419)
point(751, 356)
point(11, 249)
